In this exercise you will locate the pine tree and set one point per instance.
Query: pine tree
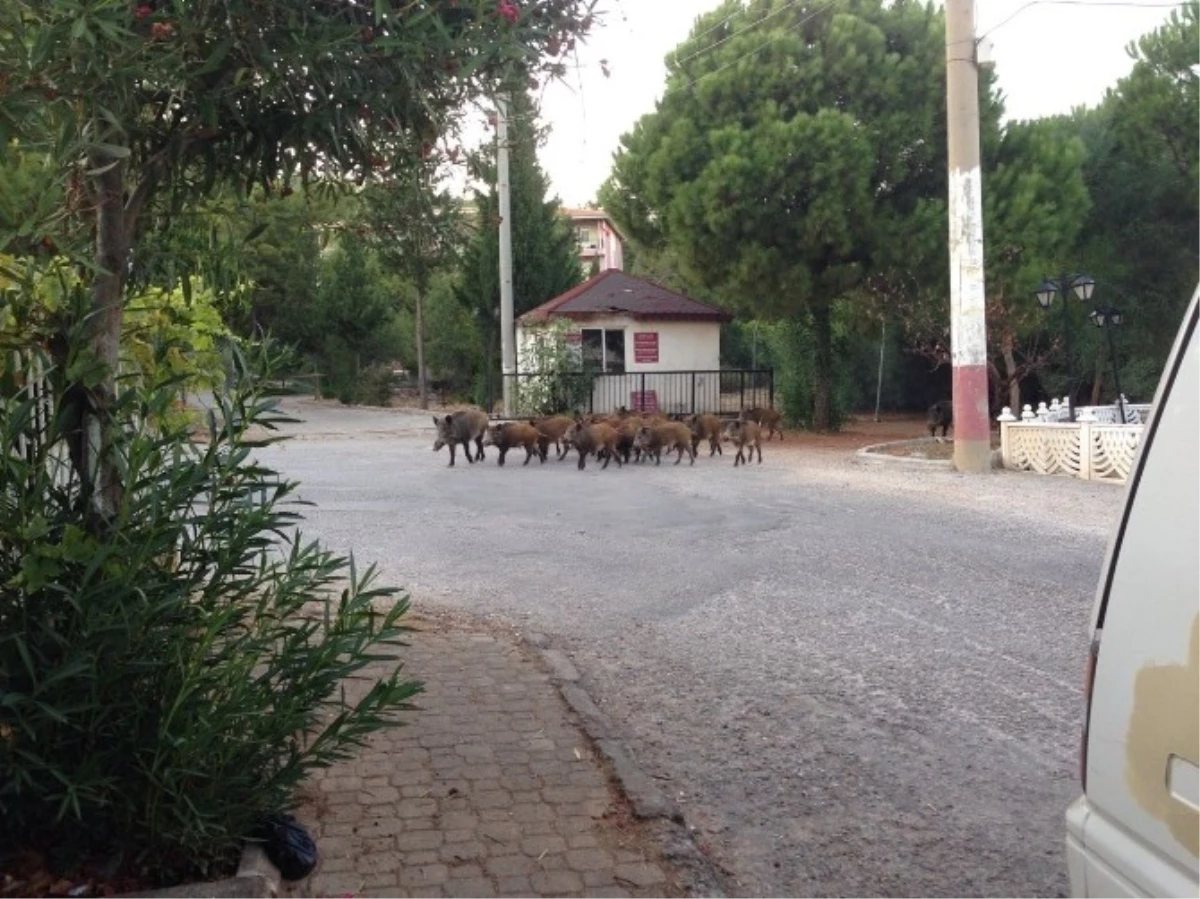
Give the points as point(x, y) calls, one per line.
point(545, 258)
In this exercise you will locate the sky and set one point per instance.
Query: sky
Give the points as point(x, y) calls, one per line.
point(1049, 58)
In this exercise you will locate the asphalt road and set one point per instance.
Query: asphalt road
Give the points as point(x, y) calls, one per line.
point(855, 680)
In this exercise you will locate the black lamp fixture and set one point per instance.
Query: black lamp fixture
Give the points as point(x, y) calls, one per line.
point(1083, 286)
point(1108, 318)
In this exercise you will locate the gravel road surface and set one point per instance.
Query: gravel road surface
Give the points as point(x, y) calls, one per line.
point(856, 680)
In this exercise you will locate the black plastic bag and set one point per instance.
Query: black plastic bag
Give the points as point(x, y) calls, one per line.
point(289, 847)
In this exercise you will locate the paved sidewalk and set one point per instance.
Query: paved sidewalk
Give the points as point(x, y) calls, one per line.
point(491, 790)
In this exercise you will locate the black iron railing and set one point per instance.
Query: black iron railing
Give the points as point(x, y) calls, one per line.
point(722, 392)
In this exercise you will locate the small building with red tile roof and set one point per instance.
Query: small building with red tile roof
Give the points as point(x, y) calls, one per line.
point(626, 325)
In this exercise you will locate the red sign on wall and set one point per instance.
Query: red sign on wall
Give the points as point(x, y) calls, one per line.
point(574, 337)
point(644, 402)
point(645, 346)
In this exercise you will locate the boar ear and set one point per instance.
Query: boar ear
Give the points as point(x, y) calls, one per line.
point(435, 420)
point(449, 418)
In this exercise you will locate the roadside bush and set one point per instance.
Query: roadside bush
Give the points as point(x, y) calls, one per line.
point(558, 380)
point(170, 675)
point(374, 386)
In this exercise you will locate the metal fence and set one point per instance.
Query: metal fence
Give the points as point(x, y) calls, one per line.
point(722, 392)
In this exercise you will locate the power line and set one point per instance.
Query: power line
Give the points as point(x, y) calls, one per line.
point(720, 24)
point(1114, 3)
point(743, 30)
point(784, 33)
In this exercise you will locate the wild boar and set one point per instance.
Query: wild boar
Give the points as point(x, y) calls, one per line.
point(671, 435)
point(705, 427)
point(627, 438)
point(600, 439)
point(941, 415)
point(554, 427)
point(461, 427)
point(510, 434)
point(768, 418)
point(744, 433)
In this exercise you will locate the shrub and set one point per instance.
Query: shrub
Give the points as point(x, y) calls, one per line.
point(374, 386)
point(557, 380)
point(169, 676)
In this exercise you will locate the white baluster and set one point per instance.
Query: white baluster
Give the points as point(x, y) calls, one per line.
point(1042, 412)
point(1006, 414)
point(1027, 413)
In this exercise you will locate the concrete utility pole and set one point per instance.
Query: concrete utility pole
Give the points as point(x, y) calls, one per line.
point(508, 354)
point(968, 324)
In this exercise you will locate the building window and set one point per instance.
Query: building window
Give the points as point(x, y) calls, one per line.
point(604, 350)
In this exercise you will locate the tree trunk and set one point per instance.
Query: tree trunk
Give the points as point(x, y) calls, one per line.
point(1014, 382)
point(822, 368)
point(419, 327)
point(95, 466)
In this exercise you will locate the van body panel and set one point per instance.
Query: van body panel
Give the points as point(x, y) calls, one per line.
point(1137, 829)
point(1103, 860)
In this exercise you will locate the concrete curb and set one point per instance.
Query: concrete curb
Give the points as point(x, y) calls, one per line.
point(872, 455)
point(646, 799)
point(256, 878)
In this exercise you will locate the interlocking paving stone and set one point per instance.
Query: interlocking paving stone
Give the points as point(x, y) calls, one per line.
point(491, 789)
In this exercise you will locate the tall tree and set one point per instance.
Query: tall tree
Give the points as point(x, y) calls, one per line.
point(417, 231)
point(174, 96)
point(1141, 238)
point(791, 154)
point(545, 257)
point(1035, 205)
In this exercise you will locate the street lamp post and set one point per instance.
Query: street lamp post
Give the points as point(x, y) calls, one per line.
point(1109, 318)
point(1082, 286)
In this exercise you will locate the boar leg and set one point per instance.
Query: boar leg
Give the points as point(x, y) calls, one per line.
point(479, 446)
point(582, 458)
point(451, 445)
point(503, 453)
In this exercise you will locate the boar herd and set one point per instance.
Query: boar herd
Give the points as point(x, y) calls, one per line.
point(623, 437)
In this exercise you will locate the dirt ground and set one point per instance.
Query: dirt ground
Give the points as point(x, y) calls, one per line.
point(861, 430)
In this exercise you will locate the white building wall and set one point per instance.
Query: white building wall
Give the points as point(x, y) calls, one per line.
point(682, 347)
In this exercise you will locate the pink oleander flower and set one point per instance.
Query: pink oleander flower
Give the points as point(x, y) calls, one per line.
point(507, 10)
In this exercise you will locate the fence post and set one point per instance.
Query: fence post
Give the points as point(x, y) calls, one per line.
point(693, 393)
point(771, 386)
point(1005, 418)
point(742, 381)
point(1085, 449)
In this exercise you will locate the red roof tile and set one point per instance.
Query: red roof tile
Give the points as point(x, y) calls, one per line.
point(613, 292)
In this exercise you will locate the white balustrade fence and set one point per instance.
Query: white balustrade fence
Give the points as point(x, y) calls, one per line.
point(1095, 447)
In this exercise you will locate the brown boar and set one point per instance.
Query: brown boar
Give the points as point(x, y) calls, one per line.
point(767, 418)
point(705, 427)
point(744, 433)
point(461, 427)
point(554, 427)
point(511, 434)
point(627, 438)
point(672, 435)
point(600, 439)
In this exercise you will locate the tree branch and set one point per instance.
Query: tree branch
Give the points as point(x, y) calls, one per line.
point(156, 168)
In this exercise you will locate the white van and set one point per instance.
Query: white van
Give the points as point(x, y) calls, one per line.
point(1134, 831)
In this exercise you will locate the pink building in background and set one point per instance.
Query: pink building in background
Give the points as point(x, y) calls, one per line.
point(598, 238)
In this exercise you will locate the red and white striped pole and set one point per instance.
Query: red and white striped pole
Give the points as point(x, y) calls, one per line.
point(968, 323)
